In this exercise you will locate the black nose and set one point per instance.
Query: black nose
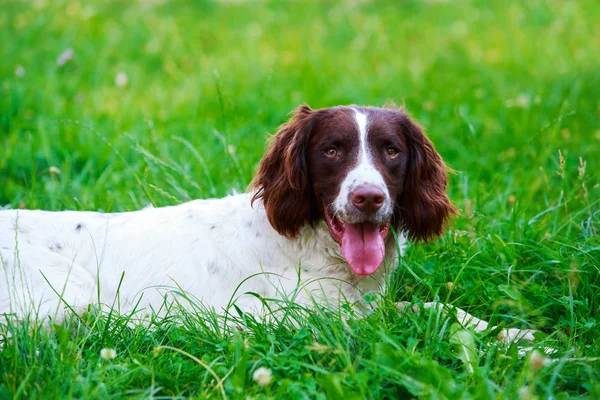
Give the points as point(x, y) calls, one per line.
point(367, 198)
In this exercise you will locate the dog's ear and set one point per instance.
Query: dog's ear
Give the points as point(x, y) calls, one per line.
point(282, 181)
point(424, 205)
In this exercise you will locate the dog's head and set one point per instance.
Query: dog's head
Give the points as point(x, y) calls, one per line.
point(361, 169)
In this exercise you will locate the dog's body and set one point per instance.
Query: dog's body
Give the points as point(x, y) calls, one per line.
point(314, 227)
point(204, 247)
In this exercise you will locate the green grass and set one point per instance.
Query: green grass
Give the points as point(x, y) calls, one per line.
point(508, 91)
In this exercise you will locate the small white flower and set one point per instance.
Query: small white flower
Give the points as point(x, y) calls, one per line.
point(524, 392)
point(523, 100)
point(54, 170)
point(262, 376)
point(538, 360)
point(19, 71)
point(121, 79)
point(108, 354)
point(65, 57)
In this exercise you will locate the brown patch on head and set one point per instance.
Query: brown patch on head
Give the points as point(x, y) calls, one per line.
point(424, 206)
point(282, 181)
point(336, 130)
point(296, 177)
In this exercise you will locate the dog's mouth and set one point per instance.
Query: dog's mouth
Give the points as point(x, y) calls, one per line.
point(362, 243)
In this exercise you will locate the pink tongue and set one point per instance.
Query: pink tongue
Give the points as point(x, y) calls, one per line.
point(362, 247)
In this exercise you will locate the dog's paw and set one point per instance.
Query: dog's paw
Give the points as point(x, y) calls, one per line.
point(405, 306)
point(514, 335)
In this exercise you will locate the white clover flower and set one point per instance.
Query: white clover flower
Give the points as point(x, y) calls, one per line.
point(108, 354)
point(262, 376)
point(121, 79)
point(65, 57)
point(524, 392)
point(19, 71)
point(523, 100)
point(538, 360)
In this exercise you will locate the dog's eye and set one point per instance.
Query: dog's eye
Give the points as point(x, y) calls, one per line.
point(391, 152)
point(331, 152)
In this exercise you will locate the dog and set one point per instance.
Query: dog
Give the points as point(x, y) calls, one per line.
point(316, 222)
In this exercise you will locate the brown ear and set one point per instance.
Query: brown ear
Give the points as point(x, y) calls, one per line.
point(282, 181)
point(424, 205)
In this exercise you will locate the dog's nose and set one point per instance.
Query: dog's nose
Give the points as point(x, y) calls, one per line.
point(367, 198)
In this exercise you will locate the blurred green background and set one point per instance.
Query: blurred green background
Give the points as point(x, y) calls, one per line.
point(500, 86)
point(110, 105)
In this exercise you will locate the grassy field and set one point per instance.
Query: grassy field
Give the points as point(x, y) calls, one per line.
point(111, 106)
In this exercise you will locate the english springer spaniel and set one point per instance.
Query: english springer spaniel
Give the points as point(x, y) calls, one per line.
point(315, 224)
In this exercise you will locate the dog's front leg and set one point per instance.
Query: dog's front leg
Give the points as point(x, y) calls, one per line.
point(507, 335)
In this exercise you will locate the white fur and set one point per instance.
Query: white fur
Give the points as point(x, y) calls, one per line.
point(363, 173)
point(507, 335)
point(205, 247)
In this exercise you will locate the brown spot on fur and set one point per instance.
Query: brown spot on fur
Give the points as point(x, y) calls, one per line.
point(56, 247)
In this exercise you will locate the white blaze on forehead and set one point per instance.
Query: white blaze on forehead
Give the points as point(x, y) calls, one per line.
point(363, 173)
point(361, 121)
